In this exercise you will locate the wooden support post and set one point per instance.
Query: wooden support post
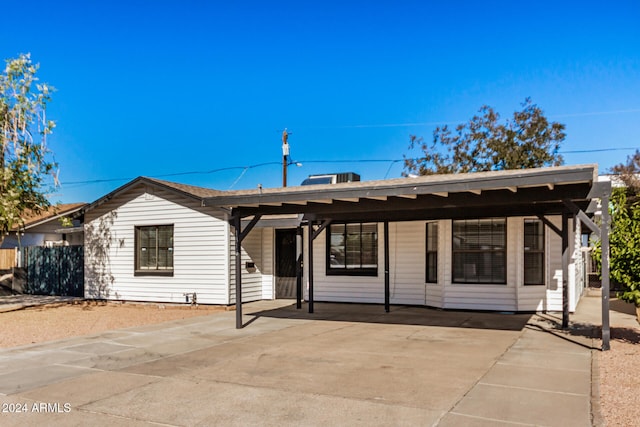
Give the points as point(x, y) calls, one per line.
point(310, 266)
point(238, 239)
point(604, 236)
point(565, 270)
point(386, 266)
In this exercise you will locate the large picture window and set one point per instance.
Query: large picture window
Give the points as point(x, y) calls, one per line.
point(479, 251)
point(533, 252)
point(154, 250)
point(352, 249)
point(432, 252)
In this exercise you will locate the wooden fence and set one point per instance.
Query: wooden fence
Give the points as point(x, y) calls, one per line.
point(55, 271)
point(7, 258)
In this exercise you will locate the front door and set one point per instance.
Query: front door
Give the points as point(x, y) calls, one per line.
point(286, 263)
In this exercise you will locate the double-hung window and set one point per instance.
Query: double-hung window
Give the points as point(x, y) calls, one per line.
point(154, 250)
point(479, 251)
point(352, 249)
point(533, 252)
point(432, 252)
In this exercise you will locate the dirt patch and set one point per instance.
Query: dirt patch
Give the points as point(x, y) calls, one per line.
point(620, 378)
point(57, 321)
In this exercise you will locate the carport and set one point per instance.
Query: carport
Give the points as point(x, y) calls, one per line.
point(571, 192)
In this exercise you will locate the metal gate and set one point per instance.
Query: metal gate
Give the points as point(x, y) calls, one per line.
point(54, 271)
point(286, 263)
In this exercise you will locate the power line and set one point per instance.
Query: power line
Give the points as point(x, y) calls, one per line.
point(168, 175)
point(353, 161)
point(452, 122)
point(598, 113)
point(598, 150)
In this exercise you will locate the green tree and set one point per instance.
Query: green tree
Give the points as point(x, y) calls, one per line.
point(629, 175)
point(528, 140)
point(24, 157)
point(624, 237)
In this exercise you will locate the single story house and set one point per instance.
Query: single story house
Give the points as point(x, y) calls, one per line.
point(45, 228)
point(479, 241)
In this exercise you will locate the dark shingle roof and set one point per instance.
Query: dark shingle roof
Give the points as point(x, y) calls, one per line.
point(199, 193)
point(192, 190)
point(31, 218)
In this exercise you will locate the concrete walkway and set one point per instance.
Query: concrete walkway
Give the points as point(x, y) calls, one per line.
point(347, 364)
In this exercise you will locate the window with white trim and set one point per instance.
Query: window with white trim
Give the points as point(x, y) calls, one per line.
point(431, 275)
point(533, 252)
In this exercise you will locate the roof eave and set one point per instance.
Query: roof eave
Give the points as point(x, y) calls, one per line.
point(50, 218)
point(139, 180)
point(458, 183)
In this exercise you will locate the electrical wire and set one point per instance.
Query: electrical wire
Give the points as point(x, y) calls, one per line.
point(452, 122)
point(352, 161)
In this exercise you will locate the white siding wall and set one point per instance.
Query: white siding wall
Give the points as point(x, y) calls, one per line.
point(549, 297)
point(406, 270)
point(537, 297)
point(407, 243)
point(257, 282)
point(407, 273)
point(344, 288)
point(482, 296)
point(578, 267)
point(268, 262)
point(200, 249)
point(554, 273)
point(435, 291)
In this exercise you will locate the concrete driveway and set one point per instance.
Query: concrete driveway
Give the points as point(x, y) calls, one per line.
point(347, 364)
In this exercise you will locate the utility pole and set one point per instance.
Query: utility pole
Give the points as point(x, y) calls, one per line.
point(285, 156)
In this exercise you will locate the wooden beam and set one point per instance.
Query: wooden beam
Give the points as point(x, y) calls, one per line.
point(513, 189)
point(348, 199)
point(604, 241)
point(551, 185)
point(582, 176)
point(407, 196)
point(565, 270)
point(550, 225)
point(600, 189)
point(441, 194)
point(310, 266)
point(238, 261)
point(320, 229)
point(532, 197)
point(249, 227)
point(476, 192)
point(383, 198)
point(582, 216)
point(386, 266)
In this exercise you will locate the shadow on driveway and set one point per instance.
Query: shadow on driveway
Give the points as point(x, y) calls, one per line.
point(398, 315)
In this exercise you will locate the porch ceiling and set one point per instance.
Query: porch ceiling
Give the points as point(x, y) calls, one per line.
point(485, 194)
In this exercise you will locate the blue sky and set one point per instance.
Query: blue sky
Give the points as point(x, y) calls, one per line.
point(165, 87)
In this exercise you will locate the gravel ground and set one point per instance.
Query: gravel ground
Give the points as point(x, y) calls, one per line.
point(620, 378)
point(619, 367)
point(56, 321)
